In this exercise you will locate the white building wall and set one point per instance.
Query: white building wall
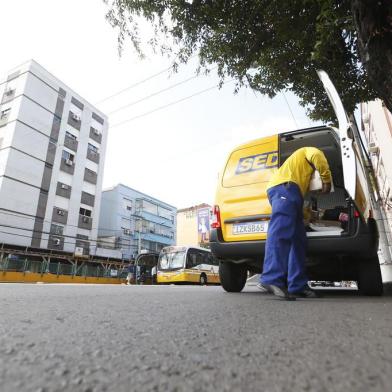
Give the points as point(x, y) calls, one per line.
point(28, 129)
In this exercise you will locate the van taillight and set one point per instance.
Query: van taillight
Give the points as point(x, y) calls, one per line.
point(216, 219)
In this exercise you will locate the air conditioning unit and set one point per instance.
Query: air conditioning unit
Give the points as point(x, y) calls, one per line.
point(78, 251)
point(76, 117)
point(85, 219)
point(61, 212)
point(9, 91)
point(56, 241)
point(64, 186)
point(373, 148)
point(96, 131)
point(68, 162)
point(127, 231)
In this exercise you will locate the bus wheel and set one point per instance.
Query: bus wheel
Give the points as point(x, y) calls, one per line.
point(203, 280)
point(369, 277)
point(232, 276)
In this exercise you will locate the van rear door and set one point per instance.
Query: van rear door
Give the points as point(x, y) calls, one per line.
point(353, 167)
point(346, 139)
point(243, 190)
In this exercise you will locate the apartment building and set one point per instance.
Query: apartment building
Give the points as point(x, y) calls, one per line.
point(193, 225)
point(52, 152)
point(132, 222)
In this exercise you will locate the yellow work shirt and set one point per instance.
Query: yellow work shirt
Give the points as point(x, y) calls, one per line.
point(298, 168)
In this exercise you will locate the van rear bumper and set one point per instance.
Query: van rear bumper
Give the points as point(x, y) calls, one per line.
point(363, 242)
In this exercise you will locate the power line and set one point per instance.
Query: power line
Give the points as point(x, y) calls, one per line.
point(133, 86)
point(58, 235)
point(167, 105)
point(139, 83)
point(292, 114)
point(154, 94)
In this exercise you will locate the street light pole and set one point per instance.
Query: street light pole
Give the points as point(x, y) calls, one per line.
point(139, 245)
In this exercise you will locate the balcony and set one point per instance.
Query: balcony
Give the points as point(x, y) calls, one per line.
point(74, 120)
point(63, 190)
point(8, 95)
point(85, 222)
point(71, 143)
point(95, 135)
point(59, 215)
point(68, 166)
point(88, 198)
point(90, 176)
point(93, 156)
point(55, 242)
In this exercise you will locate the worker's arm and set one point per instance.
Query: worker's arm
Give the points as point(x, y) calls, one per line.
point(317, 158)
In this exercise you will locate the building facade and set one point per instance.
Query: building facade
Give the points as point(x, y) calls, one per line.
point(132, 222)
point(52, 152)
point(376, 124)
point(193, 225)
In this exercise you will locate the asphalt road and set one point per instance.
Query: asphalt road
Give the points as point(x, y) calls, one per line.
point(181, 338)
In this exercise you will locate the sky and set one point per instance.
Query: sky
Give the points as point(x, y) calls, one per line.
point(173, 154)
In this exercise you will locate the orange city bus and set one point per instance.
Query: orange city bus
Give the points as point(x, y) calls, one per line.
point(187, 264)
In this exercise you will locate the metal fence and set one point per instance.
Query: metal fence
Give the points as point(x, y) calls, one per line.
point(60, 268)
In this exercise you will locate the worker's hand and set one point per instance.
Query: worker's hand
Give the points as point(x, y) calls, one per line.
point(326, 187)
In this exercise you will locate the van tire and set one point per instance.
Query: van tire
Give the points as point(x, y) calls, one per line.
point(203, 280)
point(232, 276)
point(369, 277)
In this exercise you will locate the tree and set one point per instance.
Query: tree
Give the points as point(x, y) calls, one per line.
point(274, 45)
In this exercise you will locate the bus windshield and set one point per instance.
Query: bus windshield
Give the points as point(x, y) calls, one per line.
point(171, 260)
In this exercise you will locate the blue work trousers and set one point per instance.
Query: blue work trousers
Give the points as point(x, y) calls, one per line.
point(285, 249)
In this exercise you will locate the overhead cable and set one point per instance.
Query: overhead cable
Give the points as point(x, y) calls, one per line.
point(167, 105)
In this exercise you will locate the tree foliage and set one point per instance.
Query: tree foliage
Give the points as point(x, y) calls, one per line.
point(269, 45)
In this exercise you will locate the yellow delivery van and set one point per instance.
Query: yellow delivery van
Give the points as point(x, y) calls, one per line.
point(342, 234)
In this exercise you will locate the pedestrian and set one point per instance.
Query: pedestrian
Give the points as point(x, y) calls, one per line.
point(154, 274)
point(284, 272)
point(131, 271)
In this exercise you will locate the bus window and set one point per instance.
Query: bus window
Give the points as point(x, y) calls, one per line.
point(191, 260)
point(177, 260)
point(172, 260)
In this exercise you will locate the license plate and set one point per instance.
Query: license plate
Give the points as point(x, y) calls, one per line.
point(250, 228)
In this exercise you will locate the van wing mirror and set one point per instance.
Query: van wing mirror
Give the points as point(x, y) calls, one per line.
point(336, 102)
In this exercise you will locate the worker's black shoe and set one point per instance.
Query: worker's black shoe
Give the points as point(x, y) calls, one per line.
point(279, 292)
point(307, 293)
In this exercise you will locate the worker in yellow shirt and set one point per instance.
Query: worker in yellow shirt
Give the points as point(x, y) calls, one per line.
point(284, 272)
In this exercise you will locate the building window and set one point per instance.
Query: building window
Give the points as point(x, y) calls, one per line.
point(85, 212)
point(67, 156)
point(92, 148)
point(126, 231)
point(70, 135)
point(57, 229)
point(4, 113)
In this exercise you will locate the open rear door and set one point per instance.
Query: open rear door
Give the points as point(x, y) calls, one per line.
point(346, 138)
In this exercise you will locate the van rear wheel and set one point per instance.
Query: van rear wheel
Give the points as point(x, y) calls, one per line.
point(369, 277)
point(232, 276)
